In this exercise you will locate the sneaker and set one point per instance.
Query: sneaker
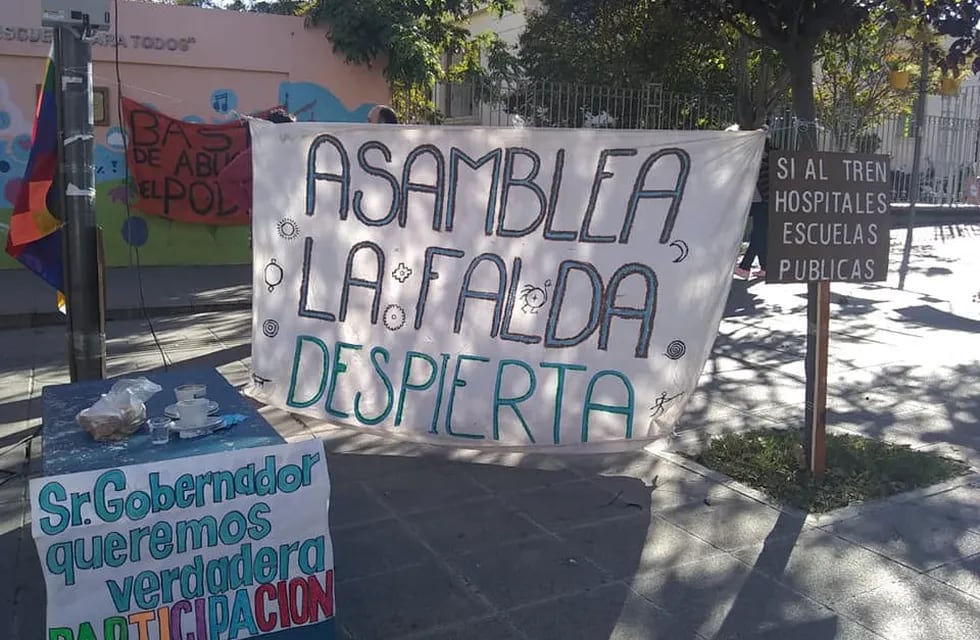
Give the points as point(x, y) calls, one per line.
point(761, 273)
point(742, 274)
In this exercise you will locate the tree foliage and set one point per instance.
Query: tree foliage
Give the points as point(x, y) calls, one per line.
point(624, 43)
point(635, 43)
point(853, 90)
point(795, 28)
point(412, 37)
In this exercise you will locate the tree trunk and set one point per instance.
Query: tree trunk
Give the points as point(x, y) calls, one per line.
point(800, 63)
point(753, 96)
point(744, 102)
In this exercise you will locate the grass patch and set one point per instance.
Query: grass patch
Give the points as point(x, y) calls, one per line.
point(858, 468)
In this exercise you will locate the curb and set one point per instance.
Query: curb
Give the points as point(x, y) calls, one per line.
point(34, 320)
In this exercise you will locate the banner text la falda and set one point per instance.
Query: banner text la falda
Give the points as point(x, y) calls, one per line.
point(241, 594)
point(576, 280)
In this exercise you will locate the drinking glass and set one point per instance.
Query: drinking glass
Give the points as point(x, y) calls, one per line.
point(159, 430)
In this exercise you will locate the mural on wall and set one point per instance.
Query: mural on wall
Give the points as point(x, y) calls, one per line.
point(160, 241)
point(312, 103)
point(15, 146)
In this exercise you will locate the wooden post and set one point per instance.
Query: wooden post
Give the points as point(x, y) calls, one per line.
point(798, 255)
point(817, 395)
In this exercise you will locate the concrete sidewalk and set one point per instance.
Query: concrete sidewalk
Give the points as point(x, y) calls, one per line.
point(26, 301)
point(440, 544)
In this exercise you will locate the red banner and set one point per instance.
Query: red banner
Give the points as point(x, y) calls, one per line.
point(187, 171)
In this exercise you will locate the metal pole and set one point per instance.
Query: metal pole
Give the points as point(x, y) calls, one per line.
point(76, 180)
point(920, 120)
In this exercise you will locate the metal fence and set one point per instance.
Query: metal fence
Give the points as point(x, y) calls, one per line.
point(950, 141)
point(566, 105)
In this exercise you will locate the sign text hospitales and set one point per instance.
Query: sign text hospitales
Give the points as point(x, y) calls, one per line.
point(828, 217)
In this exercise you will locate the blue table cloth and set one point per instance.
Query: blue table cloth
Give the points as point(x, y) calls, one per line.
point(68, 448)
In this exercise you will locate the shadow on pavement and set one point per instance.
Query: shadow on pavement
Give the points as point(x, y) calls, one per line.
point(930, 317)
point(431, 548)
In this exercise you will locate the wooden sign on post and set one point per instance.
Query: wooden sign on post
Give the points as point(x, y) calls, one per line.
point(828, 222)
point(829, 217)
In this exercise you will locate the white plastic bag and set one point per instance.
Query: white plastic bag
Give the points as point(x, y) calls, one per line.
point(119, 413)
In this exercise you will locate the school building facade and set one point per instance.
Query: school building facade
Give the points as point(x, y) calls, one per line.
point(194, 64)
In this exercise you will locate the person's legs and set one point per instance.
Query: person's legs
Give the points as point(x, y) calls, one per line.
point(757, 232)
point(761, 241)
point(746, 262)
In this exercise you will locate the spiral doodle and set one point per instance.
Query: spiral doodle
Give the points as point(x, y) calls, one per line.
point(676, 350)
point(270, 328)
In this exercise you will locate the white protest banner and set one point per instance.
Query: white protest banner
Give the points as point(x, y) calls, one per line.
point(493, 287)
point(231, 545)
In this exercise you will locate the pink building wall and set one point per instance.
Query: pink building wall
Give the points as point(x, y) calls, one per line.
point(190, 63)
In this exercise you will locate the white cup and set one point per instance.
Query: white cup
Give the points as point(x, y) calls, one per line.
point(193, 413)
point(190, 391)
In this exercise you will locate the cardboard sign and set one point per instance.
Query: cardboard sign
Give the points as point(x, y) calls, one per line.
point(493, 287)
point(829, 217)
point(233, 545)
point(187, 171)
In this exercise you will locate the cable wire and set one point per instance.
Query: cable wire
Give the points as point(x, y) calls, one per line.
point(134, 251)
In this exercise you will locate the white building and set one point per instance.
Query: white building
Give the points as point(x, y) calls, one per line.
point(463, 104)
point(509, 27)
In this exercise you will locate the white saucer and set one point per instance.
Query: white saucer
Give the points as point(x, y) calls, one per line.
point(171, 411)
point(185, 431)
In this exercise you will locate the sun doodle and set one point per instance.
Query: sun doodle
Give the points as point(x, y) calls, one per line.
point(288, 229)
point(394, 317)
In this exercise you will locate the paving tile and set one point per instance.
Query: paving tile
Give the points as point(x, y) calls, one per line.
point(648, 483)
point(30, 601)
point(732, 521)
point(351, 504)
point(566, 505)
point(917, 609)
point(613, 545)
point(13, 488)
point(473, 526)
point(504, 479)
point(912, 534)
point(831, 627)
point(356, 467)
point(709, 417)
point(634, 464)
point(698, 585)
point(375, 548)
point(433, 486)
point(611, 611)
point(12, 516)
point(11, 540)
point(960, 506)
point(964, 575)
point(822, 566)
point(488, 629)
point(412, 600)
point(756, 395)
point(528, 571)
point(722, 598)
